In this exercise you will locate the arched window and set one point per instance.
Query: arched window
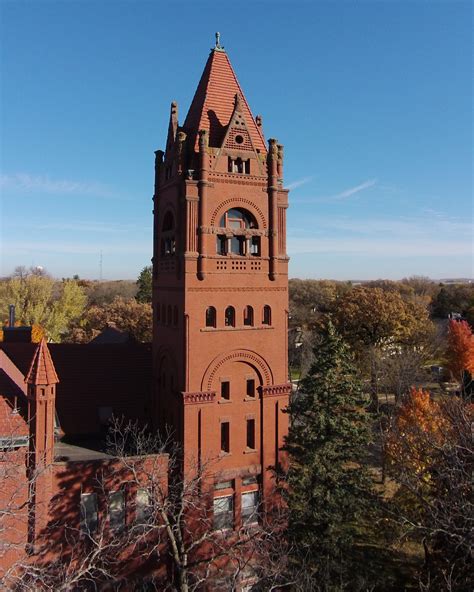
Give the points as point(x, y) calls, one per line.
point(168, 222)
point(168, 241)
point(210, 317)
point(169, 317)
point(267, 315)
point(158, 313)
point(230, 316)
point(248, 316)
point(163, 314)
point(175, 316)
point(237, 219)
point(236, 240)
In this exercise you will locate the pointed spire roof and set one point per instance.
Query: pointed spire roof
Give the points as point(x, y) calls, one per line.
point(42, 369)
point(214, 101)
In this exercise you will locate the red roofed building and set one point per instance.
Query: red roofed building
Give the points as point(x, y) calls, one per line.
point(216, 374)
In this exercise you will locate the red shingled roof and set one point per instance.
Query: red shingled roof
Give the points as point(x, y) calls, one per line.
point(213, 103)
point(42, 369)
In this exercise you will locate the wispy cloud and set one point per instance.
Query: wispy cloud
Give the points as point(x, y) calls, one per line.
point(299, 182)
point(45, 184)
point(353, 190)
point(431, 234)
point(342, 194)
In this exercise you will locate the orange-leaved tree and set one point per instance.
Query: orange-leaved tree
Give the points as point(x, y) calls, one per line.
point(418, 427)
point(430, 451)
point(460, 354)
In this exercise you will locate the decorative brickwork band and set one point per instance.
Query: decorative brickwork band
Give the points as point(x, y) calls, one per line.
point(238, 355)
point(276, 390)
point(199, 397)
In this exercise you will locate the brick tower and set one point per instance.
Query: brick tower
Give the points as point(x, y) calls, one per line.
point(220, 286)
point(41, 383)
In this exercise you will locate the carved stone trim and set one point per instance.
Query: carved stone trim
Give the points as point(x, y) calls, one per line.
point(238, 355)
point(198, 397)
point(276, 390)
point(247, 232)
point(236, 289)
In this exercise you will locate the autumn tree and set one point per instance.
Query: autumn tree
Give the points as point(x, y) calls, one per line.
point(373, 321)
point(430, 449)
point(125, 315)
point(144, 284)
point(460, 354)
point(327, 483)
point(39, 300)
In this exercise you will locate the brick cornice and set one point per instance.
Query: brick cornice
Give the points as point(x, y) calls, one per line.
point(276, 390)
point(198, 397)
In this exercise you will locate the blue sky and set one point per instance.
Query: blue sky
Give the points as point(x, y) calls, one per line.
point(372, 100)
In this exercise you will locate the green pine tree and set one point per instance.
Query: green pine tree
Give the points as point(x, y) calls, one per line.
point(144, 284)
point(328, 485)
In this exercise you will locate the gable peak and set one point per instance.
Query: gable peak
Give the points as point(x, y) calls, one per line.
point(215, 100)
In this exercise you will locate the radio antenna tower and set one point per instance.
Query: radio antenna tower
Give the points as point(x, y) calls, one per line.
point(100, 267)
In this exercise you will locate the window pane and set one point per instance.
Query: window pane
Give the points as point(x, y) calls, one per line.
point(251, 433)
point(251, 388)
point(221, 245)
point(225, 389)
point(89, 512)
point(143, 505)
point(255, 246)
point(211, 317)
point(237, 245)
point(224, 512)
point(225, 439)
point(250, 507)
point(117, 509)
point(230, 316)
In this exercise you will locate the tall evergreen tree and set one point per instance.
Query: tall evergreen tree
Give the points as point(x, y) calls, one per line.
point(144, 284)
point(328, 486)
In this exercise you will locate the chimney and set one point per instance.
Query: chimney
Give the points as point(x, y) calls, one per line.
point(12, 334)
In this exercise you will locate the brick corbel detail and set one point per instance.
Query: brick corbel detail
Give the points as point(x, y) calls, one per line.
point(198, 397)
point(276, 390)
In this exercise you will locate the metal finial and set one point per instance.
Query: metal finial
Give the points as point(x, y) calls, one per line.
point(218, 45)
